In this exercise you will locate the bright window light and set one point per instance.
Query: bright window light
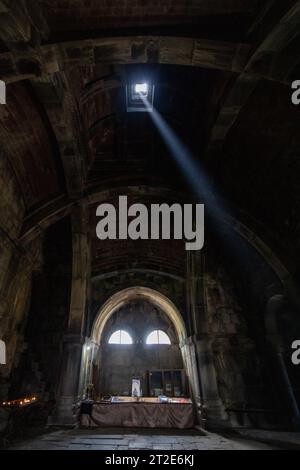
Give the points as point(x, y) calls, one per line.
point(158, 337)
point(120, 337)
point(141, 88)
point(139, 97)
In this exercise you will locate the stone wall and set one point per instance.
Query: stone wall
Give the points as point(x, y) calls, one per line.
point(248, 380)
point(11, 203)
point(40, 362)
point(15, 270)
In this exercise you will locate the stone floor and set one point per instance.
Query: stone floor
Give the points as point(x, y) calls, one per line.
point(125, 439)
point(285, 440)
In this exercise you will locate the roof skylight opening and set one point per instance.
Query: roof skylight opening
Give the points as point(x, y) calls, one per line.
point(139, 96)
point(141, 89)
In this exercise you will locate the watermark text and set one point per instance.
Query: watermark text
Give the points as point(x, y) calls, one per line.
point(160, 222)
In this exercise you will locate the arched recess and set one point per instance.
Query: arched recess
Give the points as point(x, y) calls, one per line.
point(122, 297)
point(155, 297)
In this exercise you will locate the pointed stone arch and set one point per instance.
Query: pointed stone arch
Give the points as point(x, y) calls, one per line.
point(138, 292)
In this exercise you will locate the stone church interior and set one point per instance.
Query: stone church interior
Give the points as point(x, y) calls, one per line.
point(164, 102)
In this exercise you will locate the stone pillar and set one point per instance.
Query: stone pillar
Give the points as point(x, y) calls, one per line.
point(274, 308)
point(190, 362)
point(276, 352)
point(209, 400)
point(89, 354)
point(66, 412)
point(68, 389)
point(194, 289)
point(193, 306)
point(289, 391)
point(213, 407)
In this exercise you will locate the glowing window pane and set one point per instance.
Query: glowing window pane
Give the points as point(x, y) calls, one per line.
point(120, 337)
point(158, 337)
point(141, 88)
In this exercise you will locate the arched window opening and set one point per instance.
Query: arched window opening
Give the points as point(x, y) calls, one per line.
point(120, 337)
point(158, 337)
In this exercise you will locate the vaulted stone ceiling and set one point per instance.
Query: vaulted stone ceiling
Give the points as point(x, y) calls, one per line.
point(74, 16)
point(222, 72)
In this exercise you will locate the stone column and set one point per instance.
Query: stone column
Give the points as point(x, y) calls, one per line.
point(274, 308)
point(190, 362)
point(68, 390)
point(289, 391)
point(194, 289)
point(209, 400)
point(277, 353)
point(213, 407)
point(89, 355)
point(66, 412)
point(193, 306)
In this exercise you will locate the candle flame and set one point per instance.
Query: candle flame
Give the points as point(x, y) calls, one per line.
point(20, 401)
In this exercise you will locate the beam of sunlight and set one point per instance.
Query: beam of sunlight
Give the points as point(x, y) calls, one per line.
point(216, 208)
point(240, 245)
point(194, 175)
